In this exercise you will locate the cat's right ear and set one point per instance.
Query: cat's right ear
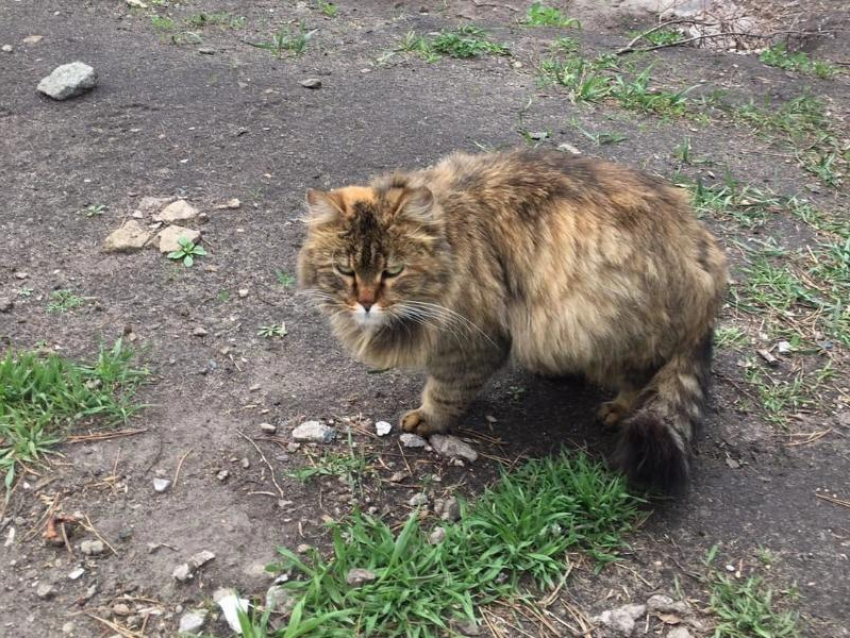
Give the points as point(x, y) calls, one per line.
point(324, 207)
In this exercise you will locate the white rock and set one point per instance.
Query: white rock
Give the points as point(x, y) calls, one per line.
point(200, 559)
point(130, 236)
point(451, 510)
point(150, 205)
point(621, 621)
point(568, 148)
point(168, 237)
point(409, 440)
point(182, 573)
point(68, 80)
point(192, 622)
point(231, 204)
point(136, 4)
point(311, 83)
point(418, 499)
point(92, 547)
point(33, 39)
point(437, 535)
point(357, 577)
point(199, 331)
point(161, 484)
point(382, 428)
point(7, 48)
point(230, 603)
point(76, 574)
point(178, 211)
point(243, 292)
point(659, 603)
point(452, 447)
point(279, 600)
point(268, 428)
point(314, 431)
point(783, 347)
point(680, 632)
point(45, 592)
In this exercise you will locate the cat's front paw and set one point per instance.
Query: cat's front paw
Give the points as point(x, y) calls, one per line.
point(418, 422)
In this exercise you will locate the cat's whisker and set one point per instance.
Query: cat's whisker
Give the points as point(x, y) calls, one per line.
point(450, 314)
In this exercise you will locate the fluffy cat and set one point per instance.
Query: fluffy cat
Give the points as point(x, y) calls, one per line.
point(567, 264)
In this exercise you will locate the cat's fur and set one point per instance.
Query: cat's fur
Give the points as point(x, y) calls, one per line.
point(566, 264)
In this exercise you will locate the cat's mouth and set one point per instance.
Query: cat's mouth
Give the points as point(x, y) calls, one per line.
point(369, 318)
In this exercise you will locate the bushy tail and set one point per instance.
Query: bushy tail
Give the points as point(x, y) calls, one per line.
point(654, 446)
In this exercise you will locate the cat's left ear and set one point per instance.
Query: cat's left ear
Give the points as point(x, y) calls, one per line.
point(417, 204)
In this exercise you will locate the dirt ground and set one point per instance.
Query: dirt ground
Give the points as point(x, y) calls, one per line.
point(213, 118)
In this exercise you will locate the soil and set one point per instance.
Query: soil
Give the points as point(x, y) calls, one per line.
point(220, 119)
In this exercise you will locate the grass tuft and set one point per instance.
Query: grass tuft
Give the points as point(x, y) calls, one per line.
point(41, 394)
point(520, 529)
point(540, 15)
point(747, 609)
point(465, 42)
point(779, 56)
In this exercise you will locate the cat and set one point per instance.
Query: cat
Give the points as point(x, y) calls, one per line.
point(566, 264)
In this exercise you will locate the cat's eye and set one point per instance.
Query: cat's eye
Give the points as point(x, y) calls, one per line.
point(392, 271)
point(345, 269)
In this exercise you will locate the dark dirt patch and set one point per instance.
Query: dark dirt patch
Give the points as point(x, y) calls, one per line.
point(167, 120)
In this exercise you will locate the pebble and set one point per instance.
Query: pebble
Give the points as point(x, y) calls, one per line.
point(76, 574)
point(568, 148)
point(621, 621)
point(182, 573)
point(659, 603)
point(169, 236)
point(314, 431)
point(68, 80)
point(409, 440)
point(178, 211)
point(33, 39)
point(418, 499)
point(45, 592)
point(129, 237)
point(21, 275)
point(120, 609)
point(357, 577)
point(279, 600)
point(468, 628)
point(398, 477)
point(382, 428)
point(92, 548)
point(680, 632)
point(437, 535)
point(161, 484)
point(311, 83)
point(293, 447)
point(243, 292)
point(199, 331)
point(245, 463)
point(223, 475)
point(196, 561)
point(68, 628)
point(231, 204)
point(7, 48)
point(230, 604)
point(303, 548)
point(268, 428)
point(192, 622)
point(452, 447)
point(539, 135)
point(6, 304)
point(783, 347)
point(451, 510)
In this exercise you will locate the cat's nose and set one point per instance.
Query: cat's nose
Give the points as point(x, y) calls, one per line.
point(366, 305)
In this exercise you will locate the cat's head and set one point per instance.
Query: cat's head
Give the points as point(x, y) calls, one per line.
point(375, 258)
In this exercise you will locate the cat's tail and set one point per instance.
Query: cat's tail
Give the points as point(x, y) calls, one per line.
point(655, 442)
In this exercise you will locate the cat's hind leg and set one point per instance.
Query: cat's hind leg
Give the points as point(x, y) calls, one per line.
point(612, 412)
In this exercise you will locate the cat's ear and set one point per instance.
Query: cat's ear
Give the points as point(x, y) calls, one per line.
point(324, 207)
point(417, 204)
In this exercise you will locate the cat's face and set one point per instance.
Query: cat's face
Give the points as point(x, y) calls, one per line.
point(375, 260)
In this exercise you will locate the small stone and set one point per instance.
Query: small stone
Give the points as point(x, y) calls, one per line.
point(680, 632)
point(451, 510)
point(92, 547)
point(7, 48)
point(382, 428)
point(311, 83)
point(452, 447)
point(68, 80)
point(279, 600)
point(68, 628)
point(182, 573)
point(199, 331)
point(223, 475)
point(33, 39)
point(437, 535)
point(539, 135)
point(468, 628)
point(150, 205)
point(120, 609)
point(129, 237)
point(196, 561)
point(304, 548)
point(206, 51)
point(398, 477)
point(161, 484)
point(409, 440)
point(169, 237)
point(178, 211)
point(418, 499)
point(136, 4)
point(243, 292)
point(357, 577)
point(568, 148)
point(192, 622)
point(293, 447)
point(621, 621)
point(231, 204)
point(76, 574)
point(268, 428)
point(314, 431)
point(230, 605)
point(45, 592)
point(245, 463)
point(6, 304)
point(21, 275)
point(783, 347)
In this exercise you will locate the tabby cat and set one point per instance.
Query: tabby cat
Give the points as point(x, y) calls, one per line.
point(566, 264)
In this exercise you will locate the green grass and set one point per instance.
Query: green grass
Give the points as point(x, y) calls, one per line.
point(661, 37)
point(220, 19)
point(187, 252)
point(731, 337)
point(271, 331)
point(288, 40)
point(284, 278)
point(93, 210)
point(746, 609)
point(541, 15)
point(517, 534)
point(42, 394)
point(328, 8)
point(62, 301)
point(779, 56)
point(465, 42)
point(163, 23)
point(351, 467)
point(730, 199)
